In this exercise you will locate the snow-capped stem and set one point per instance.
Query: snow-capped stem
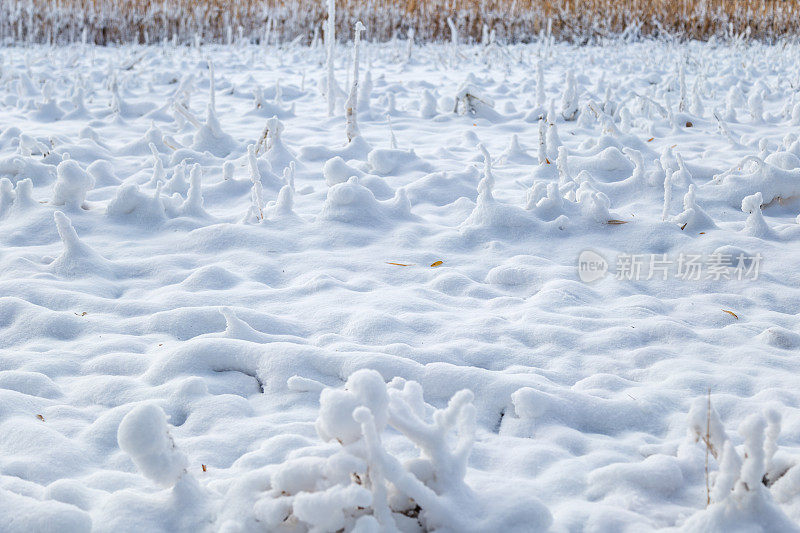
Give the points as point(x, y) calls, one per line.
point(351, 105)
point(733, 99)
point(228, 169)
point(682, 81)
point(541, 93)
point(410, 485)
point(638, 163)
point(487, 165)
point(270, 137)
point(706, 425)
point(67, 233)
point(285, 202)
point(756, 104)
point(723, 128)
point(391, 107)
point(569, 100)
point(682, 177)
point(392, 138)
point(428, 105)
point(729, 468)
point(754, 465)
point(372, 439)
point(689, 199)
point(771, 437)
point(159, 174)
point(186, 114)
point(564, 176)
point(625, 120)
point(278, 93)
point(697, 100)
point(755, 224)
point(453, 35)
point(330, 44)
point(451, 463)
point(6, 196)
point(553, 139)
point(256, 192)
point(667, 193)
point(212, 97)
point(194, 198)
point(288, 175)
point(542, 142)
point(258, 97)
point(670, 112)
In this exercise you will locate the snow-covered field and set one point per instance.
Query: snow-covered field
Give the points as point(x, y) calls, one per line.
point(190, 289)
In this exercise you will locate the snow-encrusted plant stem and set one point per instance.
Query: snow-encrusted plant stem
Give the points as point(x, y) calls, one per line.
point(541, 95)
point(351, 105)
point(542, 142)
point(453, 37)
point(330, 44)
point(667, 193)
point(682, 81)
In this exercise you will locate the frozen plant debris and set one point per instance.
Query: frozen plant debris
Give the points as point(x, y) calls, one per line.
point(362, 482)
point(468, 100)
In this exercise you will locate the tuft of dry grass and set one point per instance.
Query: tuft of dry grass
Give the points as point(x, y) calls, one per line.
point(144, 21)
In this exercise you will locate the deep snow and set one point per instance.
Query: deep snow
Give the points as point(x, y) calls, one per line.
point(187, 283)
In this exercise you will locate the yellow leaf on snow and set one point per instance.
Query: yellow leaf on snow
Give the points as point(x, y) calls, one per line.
point(615, 222)
point(734, 315)
point(436, 263)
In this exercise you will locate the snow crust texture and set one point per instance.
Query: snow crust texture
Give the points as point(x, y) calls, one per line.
point(217, 313)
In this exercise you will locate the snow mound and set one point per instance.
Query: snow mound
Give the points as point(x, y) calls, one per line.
point(352, 203)
point(754, 175)
point(693, 218)
point(144, 436)
point(77, 259)
point(72, 184)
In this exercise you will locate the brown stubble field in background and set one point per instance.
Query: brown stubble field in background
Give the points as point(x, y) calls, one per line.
point(117, 21)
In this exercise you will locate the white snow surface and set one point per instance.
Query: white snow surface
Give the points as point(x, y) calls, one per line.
point(197, 334)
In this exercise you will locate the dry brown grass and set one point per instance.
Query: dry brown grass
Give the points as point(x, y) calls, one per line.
point(107, 21)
